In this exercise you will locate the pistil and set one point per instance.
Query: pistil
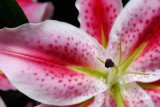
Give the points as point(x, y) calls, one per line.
point(114, 75)
point(109, 63)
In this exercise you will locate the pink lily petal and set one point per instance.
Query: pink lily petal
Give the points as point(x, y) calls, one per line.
point(36, 12)
point(105, 99)
point(142, 78)
point(45, 105)
point(2, 104)
point(102, 100)
point(56, 42)
point(155, 95)
point(5, 84)
point(148, 61)
point(137, 23)
point(34, 58)
point(97, 14)
point(136, 96)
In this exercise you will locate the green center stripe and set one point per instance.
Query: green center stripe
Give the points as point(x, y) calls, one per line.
point(148, 86)
point(129, 60)
point(89, 71)
point(117, 94)
point(104, 42)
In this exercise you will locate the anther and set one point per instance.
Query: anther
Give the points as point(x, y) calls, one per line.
point(109, 63)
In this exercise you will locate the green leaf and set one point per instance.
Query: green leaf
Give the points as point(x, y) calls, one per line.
point(118, 96)
point(89, 71)
point(148, 86)
point(11, 14)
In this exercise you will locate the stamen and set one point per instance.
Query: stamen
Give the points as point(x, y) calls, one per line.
point(109, 63)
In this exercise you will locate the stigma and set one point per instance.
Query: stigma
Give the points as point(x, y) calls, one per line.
point(109, 63)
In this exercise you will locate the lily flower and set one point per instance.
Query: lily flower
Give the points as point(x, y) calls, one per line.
point(36, 11)
point(58, 64)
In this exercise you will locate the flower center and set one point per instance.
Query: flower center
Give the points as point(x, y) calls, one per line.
point(114, 75)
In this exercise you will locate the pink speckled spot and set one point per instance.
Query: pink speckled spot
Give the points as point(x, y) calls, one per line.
point(135, 96)
point(94, 14)
point(38, 69)
point(138, 22)
point(36, 12)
